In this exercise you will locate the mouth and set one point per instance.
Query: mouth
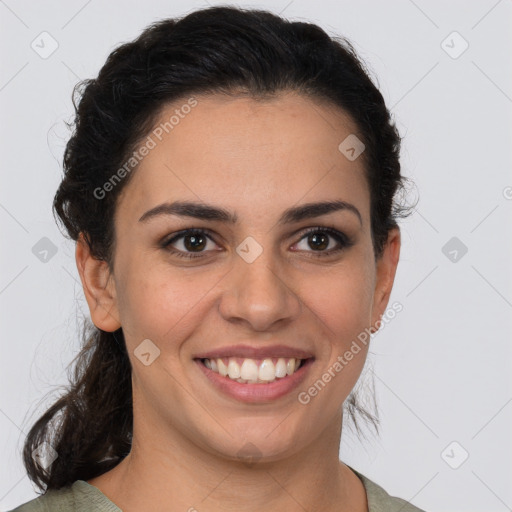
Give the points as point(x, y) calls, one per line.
point(253, 371)
point(254, 380)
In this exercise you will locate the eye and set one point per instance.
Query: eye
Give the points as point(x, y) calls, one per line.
point(193, 240)
point(320, 239)
point(193, 243)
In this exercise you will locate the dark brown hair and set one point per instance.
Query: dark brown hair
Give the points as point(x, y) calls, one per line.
point(219, 50)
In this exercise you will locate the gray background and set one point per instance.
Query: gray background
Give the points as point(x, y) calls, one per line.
point(442, 366)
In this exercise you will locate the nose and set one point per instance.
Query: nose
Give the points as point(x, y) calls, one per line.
point(259, 295)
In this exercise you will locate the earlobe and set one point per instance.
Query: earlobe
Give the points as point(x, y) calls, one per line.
point(386, 271)
point(99, 288)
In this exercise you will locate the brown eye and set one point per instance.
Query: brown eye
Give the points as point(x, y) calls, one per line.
point(320, 239)
point(190, 241)
point(194, 242)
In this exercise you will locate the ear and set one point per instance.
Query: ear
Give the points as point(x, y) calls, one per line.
point(386, 270)
point(99, 287)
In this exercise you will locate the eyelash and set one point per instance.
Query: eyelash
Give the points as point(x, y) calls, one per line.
point(344, 241)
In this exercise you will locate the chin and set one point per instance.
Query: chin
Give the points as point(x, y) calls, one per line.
point(257, 444)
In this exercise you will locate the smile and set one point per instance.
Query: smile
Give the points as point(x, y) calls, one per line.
point(253, 371)
point(241, 378)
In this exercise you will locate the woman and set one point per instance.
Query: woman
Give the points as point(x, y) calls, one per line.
point(230, 185)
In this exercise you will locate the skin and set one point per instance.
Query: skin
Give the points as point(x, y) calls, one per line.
point(256, 159)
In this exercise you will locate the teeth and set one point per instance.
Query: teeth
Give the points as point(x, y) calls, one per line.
point(253, 371)
point(291, 366)
point(281, 368)
point(233, 370)
point(249, 371)
point(223, 369)
point(267, 370)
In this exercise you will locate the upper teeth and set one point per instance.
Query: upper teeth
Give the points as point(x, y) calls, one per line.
point(253, 370)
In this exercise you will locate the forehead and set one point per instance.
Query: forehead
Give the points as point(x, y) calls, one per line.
point(241, 150)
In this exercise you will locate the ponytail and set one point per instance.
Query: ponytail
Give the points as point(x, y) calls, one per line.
point(89, 428)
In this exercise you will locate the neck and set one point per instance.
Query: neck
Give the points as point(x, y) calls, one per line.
point(170, 472)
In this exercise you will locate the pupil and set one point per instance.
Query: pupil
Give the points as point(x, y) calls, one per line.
point(316, 238)
point(193, 241)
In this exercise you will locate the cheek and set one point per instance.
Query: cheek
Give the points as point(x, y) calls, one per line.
point(158, 303)
point(342, 303)
point(342, 300)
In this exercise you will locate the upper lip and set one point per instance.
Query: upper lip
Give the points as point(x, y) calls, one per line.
point(246, 351)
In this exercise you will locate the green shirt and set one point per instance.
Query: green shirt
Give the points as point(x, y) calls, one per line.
point(84, 497)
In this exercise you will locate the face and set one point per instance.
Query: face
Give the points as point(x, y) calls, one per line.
point(277, 281)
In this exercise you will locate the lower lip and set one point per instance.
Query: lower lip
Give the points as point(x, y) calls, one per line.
point(252, 393)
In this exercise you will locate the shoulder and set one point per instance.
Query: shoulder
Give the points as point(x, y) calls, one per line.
point(78, 497)
point(54, 500)
point(380, 501)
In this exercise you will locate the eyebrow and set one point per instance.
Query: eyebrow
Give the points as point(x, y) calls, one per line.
point(214, 213)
